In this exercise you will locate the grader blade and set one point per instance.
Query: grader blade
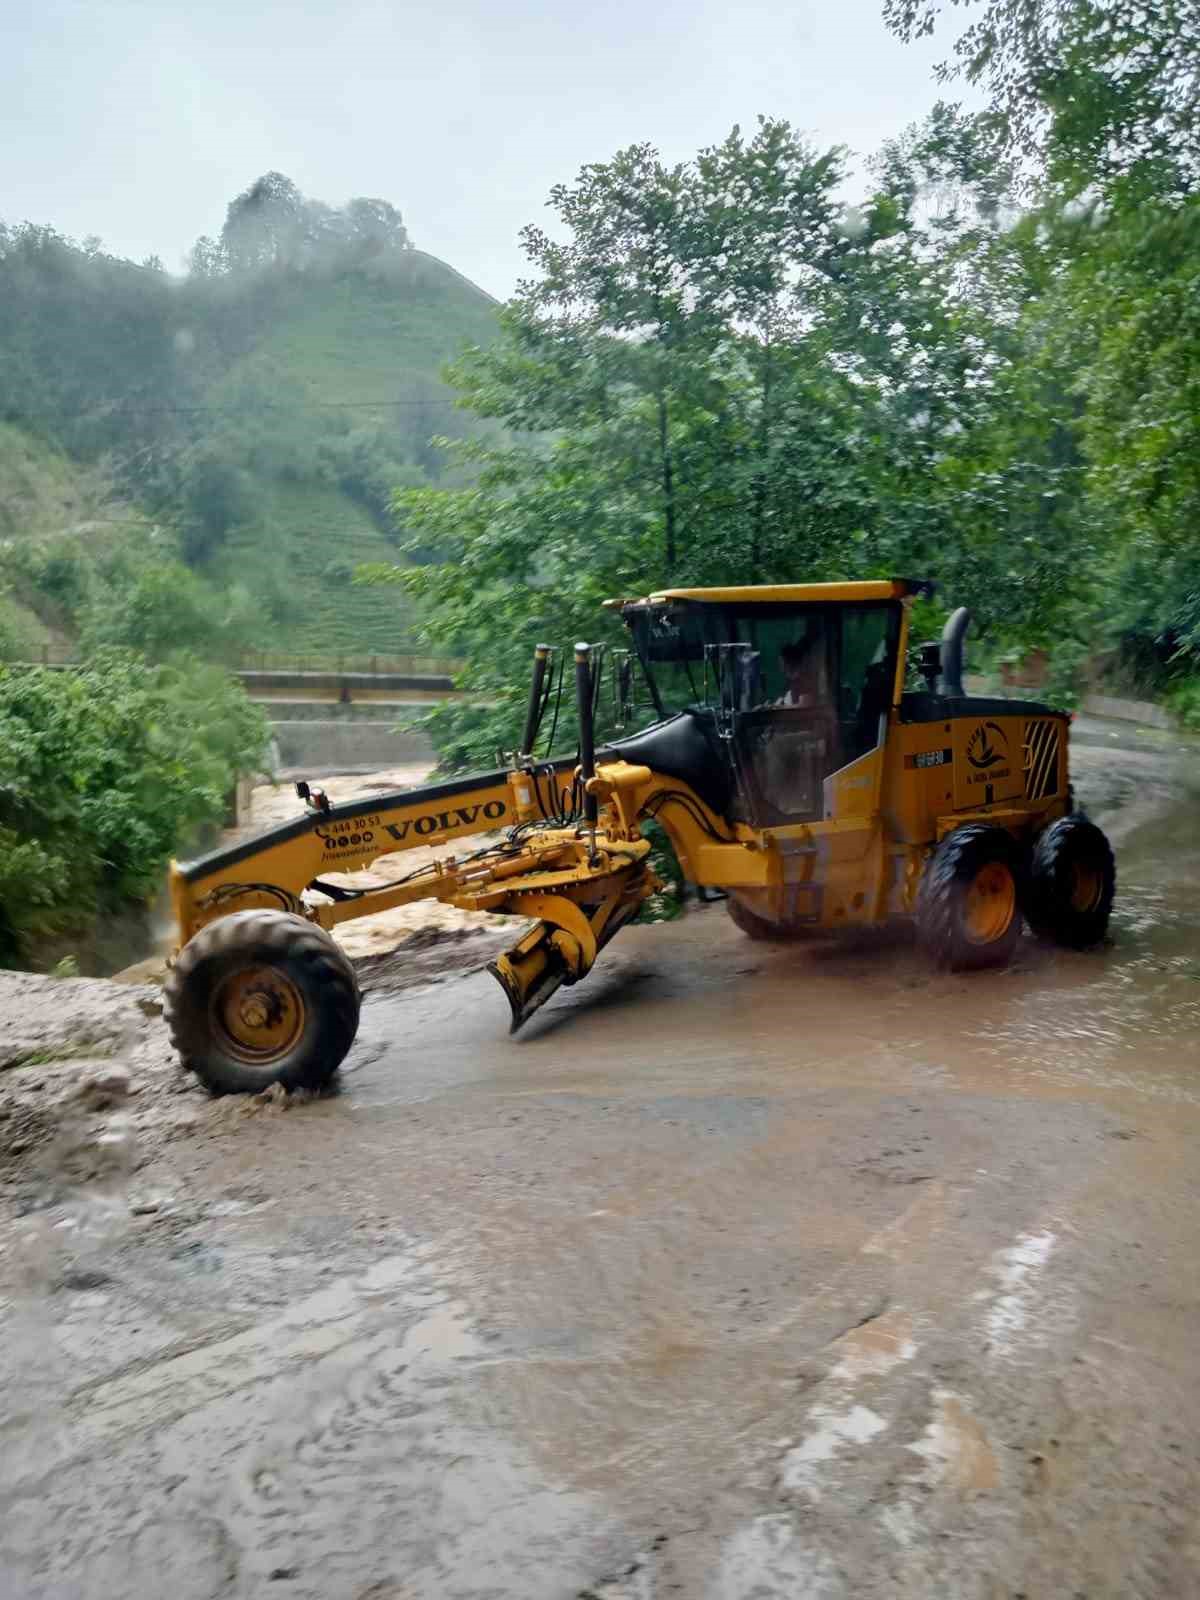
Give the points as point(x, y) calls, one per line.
point(530, 972)
point(547, 957)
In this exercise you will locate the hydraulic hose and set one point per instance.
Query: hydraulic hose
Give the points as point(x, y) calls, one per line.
point(587, 729)
point(533, 715)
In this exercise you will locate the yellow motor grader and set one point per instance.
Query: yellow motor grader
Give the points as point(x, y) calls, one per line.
point(786, 761)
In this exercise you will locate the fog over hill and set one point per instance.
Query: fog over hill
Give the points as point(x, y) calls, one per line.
point(238, 429)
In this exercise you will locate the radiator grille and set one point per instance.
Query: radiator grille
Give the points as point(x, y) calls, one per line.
point(1043, 741)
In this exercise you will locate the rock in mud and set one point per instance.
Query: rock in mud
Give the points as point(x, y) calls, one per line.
point(101, 1090)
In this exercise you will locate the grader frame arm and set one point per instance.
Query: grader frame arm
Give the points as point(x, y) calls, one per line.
point(275, 868)
point(569, 855)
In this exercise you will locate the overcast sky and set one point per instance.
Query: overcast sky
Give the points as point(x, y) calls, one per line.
point(138, 120)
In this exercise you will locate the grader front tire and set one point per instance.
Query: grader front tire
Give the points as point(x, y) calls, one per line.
point(262, 997)
point(969, 902)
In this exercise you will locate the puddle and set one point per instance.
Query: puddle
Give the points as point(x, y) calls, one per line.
point(875, 1348)
point(900, 1524)
point(768, 1557)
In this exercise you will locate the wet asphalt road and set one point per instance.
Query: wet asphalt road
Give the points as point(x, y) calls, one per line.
point(744, 1271)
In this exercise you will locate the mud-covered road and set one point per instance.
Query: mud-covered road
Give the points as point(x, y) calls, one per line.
point(743, 1272)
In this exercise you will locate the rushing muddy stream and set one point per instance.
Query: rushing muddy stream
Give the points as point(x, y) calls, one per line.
point(743, 1271)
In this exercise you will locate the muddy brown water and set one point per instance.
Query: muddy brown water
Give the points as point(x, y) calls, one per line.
point(743, 1271)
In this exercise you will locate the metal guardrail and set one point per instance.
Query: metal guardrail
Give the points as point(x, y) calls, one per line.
point(285, 662)
point(377, 665)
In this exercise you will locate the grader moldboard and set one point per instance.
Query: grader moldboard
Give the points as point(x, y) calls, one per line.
point(788, 765)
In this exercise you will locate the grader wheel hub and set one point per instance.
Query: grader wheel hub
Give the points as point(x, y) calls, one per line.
point(1087, 886)
point(991, 903)
point(259, 1013)
point(255, 1012)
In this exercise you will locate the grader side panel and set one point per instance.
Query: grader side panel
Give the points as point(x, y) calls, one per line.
point(980, 758)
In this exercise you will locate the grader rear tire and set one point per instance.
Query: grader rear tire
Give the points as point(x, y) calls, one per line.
point(756, 927)
point(1071, 883)
point(969, 901)
point(262, 997)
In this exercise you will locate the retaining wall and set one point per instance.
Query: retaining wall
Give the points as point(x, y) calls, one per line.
point(323, 746)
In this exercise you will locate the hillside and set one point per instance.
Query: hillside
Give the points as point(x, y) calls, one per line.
point(259, 413)
point(45, 497)
point(374, 335)
point(301, 552)
point(351, 366)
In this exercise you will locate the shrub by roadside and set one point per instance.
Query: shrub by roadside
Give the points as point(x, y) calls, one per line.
point(104, 772)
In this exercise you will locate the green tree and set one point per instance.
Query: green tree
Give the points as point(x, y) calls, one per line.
point(1100, 102)
point(1092, 92)
point(374, 226)
point(161, 609)
point(104, 773)
point(720, 374)
point(266, 225)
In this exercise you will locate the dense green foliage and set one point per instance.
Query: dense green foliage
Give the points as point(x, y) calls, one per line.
point(193, 465)
point(1092, 92)
point(104, 773)
point(985, 372)
point(1100, 101)
point(728, 375)
point(83, 570)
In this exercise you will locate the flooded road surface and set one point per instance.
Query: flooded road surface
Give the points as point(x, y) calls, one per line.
point(745, 1271)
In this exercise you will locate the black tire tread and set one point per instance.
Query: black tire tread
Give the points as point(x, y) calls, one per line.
point(761, 928)
point(324, 971)
point(942, 891)
point(1050, 915)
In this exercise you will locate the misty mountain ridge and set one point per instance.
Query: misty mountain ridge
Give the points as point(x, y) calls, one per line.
point(248, 421)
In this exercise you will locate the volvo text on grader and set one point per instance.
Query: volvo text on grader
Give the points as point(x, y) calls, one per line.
point(788, 765)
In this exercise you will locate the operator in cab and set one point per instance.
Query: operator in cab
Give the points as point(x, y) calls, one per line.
point(791, 761)
point(801, 663)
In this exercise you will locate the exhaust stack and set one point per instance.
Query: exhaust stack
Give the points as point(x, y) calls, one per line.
point(952, 653)
point(587, 731)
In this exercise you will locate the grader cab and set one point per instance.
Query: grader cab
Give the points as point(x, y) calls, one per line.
point(788, 764)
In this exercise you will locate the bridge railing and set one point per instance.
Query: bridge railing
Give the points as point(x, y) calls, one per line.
point(379, 664)
point(372, 665)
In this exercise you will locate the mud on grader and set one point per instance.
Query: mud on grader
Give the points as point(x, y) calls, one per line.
point(788, 765)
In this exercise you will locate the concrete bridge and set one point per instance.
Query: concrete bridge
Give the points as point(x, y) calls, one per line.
point(336, 714)
point(331, 720)
point(340, 718)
